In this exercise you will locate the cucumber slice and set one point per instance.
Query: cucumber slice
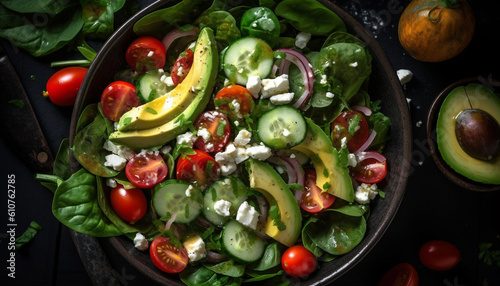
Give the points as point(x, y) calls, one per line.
point(149, 86)
point(247, 57)
point(171, 197)
point(231, 189)
point(282, 127)
point(241, 243)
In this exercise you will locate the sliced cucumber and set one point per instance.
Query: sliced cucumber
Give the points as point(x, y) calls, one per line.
point(247, 57)
point(173, 196)
point(241, 243)
point(149, 86)
point(282, 127)
point(231, 189)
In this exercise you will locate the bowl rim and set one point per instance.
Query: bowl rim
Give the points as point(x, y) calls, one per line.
point(347, 261)
point(432, 117)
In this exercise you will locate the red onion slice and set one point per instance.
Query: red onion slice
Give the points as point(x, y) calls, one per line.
point(363, 109)
point(175, 34)
point(361, 156)
point(368, 141)
point(169, 222)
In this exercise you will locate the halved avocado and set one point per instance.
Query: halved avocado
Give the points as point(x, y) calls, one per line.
point(167, 107)
point(331, 177)
point(200, 87)
point(459, 99)
point(264, 179)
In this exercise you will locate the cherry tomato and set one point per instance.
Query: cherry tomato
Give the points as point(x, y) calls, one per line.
point(439, 255)
point(297, 261)
point(370, 170)
point(129, 204)
point(219, 128)
point(168, 257)
point(146, 170)
point(340, 130)
point(62, 87)
point(200, 168)
point(313, 200)
point(403, 274)
point(235, 100)
point(181, 66)
point(117, 98)
point(146, 53)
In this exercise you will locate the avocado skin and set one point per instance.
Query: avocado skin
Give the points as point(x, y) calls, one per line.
point(331, 177)
point(264, 179)
point(455, 102)
point(161, 134)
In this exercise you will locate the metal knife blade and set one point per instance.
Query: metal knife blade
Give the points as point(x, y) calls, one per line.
point(20, 128)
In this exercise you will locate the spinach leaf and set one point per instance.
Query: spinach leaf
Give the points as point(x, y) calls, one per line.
point(28, 235)
point(227, 268)
point(61, 166)
point(270, 258)
point(41, 6)
point(75, 205)
point(224, 25)
point(36, 37)
point(335, 232)
point(86, 117)
point(198, 277)
point(380, 124)
point(310, 16)
point(98, 17)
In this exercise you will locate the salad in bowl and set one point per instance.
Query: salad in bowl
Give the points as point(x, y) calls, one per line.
point(236, 144)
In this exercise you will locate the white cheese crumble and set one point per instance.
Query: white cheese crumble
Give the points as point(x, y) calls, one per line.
point(302, 39)
point(226, 163)
point(187, 138)
point(204, 133)
point(151, 53)
point(119, 150)
point(404, 76)
point(282, 98)
point(352, 160)
point(189, 191)
point(195, 247)
point(329, 95)
point(140, 242)
point(247, 215)
point(274, 86)
point(243, 138)
point(254, 84)
point(259, 152)
point(116, 162)
point(222, 207)
point(111, 183)
point(365, 193)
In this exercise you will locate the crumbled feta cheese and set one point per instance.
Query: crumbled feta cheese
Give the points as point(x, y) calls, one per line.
point(259, 152)
point(204, 133)
point(243, 138)
point(302, 39)
point(240, 155)
point(329, 95)
point(365, 193)
point(167, 80)
point(189, 191)
point(404, 76)
point(274, 86)
point(222, 207)
point(343, 142)
point(187, 138)
point(150, 54)
point(140, 242)
point(116, 162)
point(324, 79)
point(226, 163)
point(119, 150)
point(111, 183)
point(352, 160)
point(286, 132)
point(254, 84)
point(236, 123)
point(282, 98)
point(195, 247)
point(180, 71)
point(236, 107)
point(354, 64)
point(247, 215)
point(166, 149)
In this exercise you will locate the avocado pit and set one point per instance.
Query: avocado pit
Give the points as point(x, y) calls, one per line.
point(478, 134)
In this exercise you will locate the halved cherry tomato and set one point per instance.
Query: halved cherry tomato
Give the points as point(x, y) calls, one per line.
point(235, 100)
point(181, 66)
point(62, 87)
point(129, 204)
point(439, 255)
point(117, 98)
point(297, 261)
point(146, 170)
point(200, 168)
point(403, 274)
point(313, 200)
point(146, 53)
point(219, 128)
point(370, 170)
point(359, 130)
point(168, 257)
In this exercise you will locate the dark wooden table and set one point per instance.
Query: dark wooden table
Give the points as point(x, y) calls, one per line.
point(433, 207)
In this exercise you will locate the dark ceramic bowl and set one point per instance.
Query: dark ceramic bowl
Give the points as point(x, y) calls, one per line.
point(432, 117)
point(384, 85)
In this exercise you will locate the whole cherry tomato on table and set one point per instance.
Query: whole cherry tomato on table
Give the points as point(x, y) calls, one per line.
point(117, 98)
point(129, 204)
point(439, 255)
point(168, 257)
point(297, 261)
point(62, 87)
point(403, 274)
point(146, 53)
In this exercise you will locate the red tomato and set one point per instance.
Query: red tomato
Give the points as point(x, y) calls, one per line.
point(370, 170)
point(439, 255)
point(146, 170)
point(117, 98)
point(200, 168)
point(228, 96)
point(403, 274)
point(168, 257)
point(181, 66)
point(313, 200)
point(340, 129)
point(129, 204)
point(219, 128)
point(297, 261)
point(146, 53)
point(62, 87)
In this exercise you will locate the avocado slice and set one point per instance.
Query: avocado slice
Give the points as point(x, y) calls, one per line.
point(455, 102)
point(199, 85)
point(331, 177)
point(165, 108)
point(264, 179)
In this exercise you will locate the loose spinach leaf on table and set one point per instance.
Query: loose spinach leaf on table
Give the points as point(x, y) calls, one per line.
point(40, 6)
point(98, 16)
point(28, 235)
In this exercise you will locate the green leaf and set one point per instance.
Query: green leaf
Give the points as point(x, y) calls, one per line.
point(17, 102)
point(62, 167)
point(40, 6)
point(28, 235)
